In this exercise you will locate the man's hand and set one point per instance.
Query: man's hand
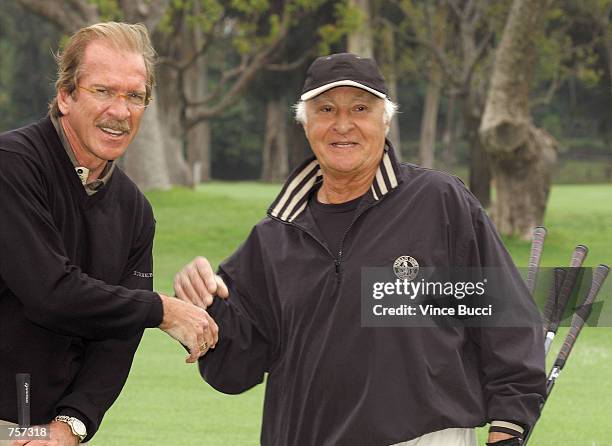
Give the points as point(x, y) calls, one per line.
point(190, 325)
point(60, 434)
point(198, 284)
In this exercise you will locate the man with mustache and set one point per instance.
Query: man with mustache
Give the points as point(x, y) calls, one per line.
point(76, 239)
point(295, 309)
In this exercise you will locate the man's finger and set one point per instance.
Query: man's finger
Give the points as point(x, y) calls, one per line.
point(196, 297)
point(194, 352)
point(206, 274)
point(199, 287)
point(222, 290)
point(209, 336)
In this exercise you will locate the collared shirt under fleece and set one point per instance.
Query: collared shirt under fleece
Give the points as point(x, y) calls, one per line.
point(82, 172)
point(294, 313)
point(75, 280)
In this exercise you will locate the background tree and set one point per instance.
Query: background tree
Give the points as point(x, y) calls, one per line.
point(253, 32)
point(571, 91)
point(462, 60)
point(522, 155)
point(281, 82)
point(24, 57)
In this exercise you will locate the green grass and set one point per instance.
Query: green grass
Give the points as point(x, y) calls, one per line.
point(166, 402)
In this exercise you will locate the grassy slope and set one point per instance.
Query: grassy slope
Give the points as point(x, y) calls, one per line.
point(165, 401)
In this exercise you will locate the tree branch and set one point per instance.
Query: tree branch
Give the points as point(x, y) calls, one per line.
point(479, 53)
point(147, 12)
point(226, 76)
point(439, 55)
point(555, 84)
point(257, 63)
point(290, 66)
point(470, 12)
point(68, 19)
point(87, 11)
point(455, 8)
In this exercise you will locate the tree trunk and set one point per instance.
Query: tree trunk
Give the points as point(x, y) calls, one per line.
point(604, 24)
point(386, 60)
point(170, 98)
point(429, 120)
point(275, 163)
point(360, 40)
point(169, 109)
point(298, 145)
point(195, 85)
point(522, 156)
point(198, 136)
point(449, 133)
point(480, 170)
point(144, 161)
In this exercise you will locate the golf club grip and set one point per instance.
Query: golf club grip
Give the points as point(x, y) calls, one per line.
point(551, 301)
point(578, 256)
point(582, 315)
point(23, 399)
point(537, 246)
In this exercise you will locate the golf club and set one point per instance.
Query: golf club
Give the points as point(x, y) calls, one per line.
point(578, 256)
point(578, 321)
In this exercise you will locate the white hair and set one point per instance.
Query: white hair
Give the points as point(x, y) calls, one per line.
point(388, 113)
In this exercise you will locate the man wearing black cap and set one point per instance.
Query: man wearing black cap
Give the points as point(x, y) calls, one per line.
point(294, 308)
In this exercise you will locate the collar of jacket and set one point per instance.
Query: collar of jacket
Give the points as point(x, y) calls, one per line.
point(293, 197)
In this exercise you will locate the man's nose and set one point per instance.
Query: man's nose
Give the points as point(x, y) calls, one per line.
point(119, 108)
point(344, 123)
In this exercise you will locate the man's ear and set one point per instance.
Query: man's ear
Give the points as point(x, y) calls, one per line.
point(64, 100)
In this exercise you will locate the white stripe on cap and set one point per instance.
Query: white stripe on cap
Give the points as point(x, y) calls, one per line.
point(347, 83)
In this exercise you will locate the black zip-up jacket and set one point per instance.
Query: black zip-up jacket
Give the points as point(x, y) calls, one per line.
point(294, 312)
point(75, 280)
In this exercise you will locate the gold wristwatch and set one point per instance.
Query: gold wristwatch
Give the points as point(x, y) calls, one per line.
point(76, 426)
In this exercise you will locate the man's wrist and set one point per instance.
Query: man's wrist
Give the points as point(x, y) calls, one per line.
point(512, 441)
point(505, 433)
point(507, 427)
point(77, 427)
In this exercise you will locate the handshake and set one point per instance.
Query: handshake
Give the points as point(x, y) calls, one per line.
point(185, 317)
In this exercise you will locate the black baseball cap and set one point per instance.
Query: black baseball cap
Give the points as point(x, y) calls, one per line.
point(343, 69)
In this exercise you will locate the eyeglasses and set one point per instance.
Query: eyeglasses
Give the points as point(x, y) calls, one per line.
point(107, 95)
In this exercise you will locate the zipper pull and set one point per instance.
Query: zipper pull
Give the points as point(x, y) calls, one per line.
point(337, 263)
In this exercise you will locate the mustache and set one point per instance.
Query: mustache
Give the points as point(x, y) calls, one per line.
point(113, 124)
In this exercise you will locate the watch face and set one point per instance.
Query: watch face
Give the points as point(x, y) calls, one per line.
point(79, 427)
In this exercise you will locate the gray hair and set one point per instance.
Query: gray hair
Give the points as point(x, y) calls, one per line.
point(388, 113)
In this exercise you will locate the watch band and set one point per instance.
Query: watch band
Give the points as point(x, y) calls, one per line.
point(76, 426)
